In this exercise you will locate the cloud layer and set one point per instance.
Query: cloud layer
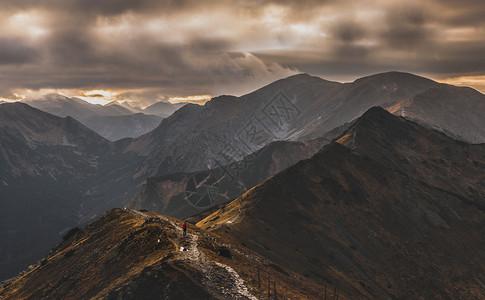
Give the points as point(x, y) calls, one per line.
point(150, 49)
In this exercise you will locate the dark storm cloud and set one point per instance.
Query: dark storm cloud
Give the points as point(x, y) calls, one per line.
point(71, 46)
point(15, 51)
point(79, 54)
point(457, 58)
point(94, 8)
point(163, 48)
point(406, 27)
point(210, 44)
point(348, 31)
point(348, 36)
point(105, 7)
point(460, 13)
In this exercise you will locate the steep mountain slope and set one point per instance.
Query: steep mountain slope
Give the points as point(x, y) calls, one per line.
point(129, 254)
point(389, 210)
point(19, 121)
point(353, 99)
point(222, 131)
point(457, 111)
point(118, 127)
point(181, 195)
point(300, 107)
point(208, 136)
point(53, 171)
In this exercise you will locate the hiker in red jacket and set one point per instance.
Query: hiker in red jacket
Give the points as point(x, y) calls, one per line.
point(184, 227)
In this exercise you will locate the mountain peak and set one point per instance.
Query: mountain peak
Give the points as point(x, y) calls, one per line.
point(114, 102)
point(401, 78)
point(378, 116)
point(302, 75)
point(17, 111)
point(37, 126)
point(11, 105)
point(221, 101)
point(393, 75)
point(306, 77)
point(359, 213)
point(376, 111)
point(379, 125)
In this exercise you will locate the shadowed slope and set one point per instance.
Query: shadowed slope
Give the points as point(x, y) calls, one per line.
point(128, 254)
point(51, 169)
point(395, 213)
point(170, 194)
point(457, 111)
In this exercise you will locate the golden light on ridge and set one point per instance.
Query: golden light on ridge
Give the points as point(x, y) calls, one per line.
point(196, 99)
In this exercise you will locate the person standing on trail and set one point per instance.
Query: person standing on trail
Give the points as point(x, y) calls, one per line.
point(184, 227)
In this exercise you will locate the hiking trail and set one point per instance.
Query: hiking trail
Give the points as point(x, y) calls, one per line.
point(221, 280)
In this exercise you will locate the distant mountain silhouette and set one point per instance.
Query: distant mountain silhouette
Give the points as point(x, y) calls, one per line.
point(118, 127)
point(162, 109)
point(388, 210)
point(80, 110)
point(125, 104)
point(113, 121)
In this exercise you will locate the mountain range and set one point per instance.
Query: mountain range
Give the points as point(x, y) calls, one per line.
point(387, 210)
point(220, 135)
point(59, 174)
point(113, 121)
point(300, 108)
point(116, 128)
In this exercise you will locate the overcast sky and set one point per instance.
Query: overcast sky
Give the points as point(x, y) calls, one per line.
point(150, 50)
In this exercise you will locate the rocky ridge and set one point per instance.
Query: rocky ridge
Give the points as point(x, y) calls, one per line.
point(133, 254)
point(388, 210)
